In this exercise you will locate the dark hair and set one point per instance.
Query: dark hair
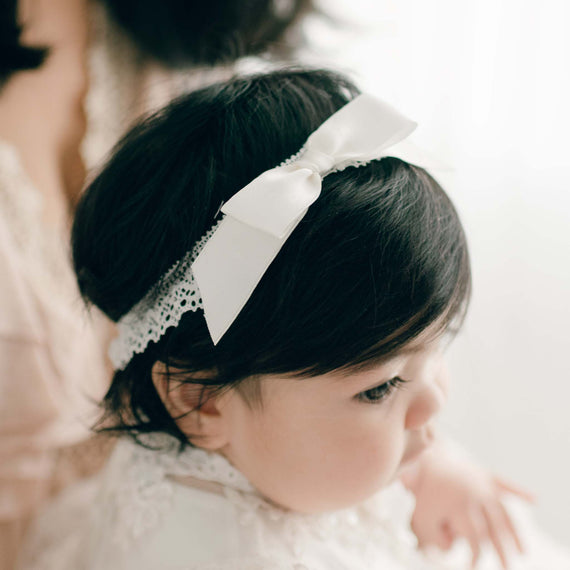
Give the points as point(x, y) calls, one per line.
point(185, 32)
point(379, 256)
point(14, 56)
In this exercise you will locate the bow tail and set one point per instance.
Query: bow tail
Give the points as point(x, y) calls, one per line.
point(229, 268)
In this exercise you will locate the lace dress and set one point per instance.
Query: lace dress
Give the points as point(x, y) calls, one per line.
point(138, 516)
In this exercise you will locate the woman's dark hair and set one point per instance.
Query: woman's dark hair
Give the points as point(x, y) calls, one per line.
point(14, 56)
point(188, 32)
point(379, 257)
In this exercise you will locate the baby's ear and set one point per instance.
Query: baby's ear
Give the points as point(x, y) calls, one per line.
point(196, 409)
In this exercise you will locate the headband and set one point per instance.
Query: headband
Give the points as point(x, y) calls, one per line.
point(224, 267)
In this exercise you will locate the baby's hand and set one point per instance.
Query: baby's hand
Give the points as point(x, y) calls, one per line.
point(456, 498)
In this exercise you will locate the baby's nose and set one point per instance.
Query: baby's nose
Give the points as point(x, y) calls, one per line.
point(427, 403)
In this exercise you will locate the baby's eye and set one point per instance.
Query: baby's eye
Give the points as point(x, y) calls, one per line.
point(379, 393)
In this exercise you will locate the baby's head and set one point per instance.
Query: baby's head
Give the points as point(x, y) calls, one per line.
point(326, 381)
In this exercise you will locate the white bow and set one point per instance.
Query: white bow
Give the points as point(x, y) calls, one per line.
point(260, 217)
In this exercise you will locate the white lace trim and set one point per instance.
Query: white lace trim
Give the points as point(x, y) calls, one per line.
point(192, 462)
point(161, 308)
point(145, 496)
point(145, 493)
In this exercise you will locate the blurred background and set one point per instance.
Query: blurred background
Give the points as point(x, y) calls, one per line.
point(489, 83)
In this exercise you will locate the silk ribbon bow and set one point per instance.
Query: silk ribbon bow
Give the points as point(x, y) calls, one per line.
point(260, 217)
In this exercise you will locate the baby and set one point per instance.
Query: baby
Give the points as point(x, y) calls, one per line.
point(279, 362)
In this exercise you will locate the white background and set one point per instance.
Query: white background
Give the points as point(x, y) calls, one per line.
point(489, 83)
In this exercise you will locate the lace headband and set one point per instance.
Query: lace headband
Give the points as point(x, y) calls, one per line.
point(224, 267)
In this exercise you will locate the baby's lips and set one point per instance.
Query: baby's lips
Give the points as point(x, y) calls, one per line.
point(420, 444)
point(429, 433)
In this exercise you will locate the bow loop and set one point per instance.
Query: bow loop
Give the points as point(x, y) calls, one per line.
point(276, 200)
point(360, 131)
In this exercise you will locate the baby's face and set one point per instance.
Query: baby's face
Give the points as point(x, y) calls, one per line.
point(329, 442)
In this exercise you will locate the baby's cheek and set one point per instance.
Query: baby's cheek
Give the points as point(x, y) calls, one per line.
point(319, 463)
point(375, 463)
point(359, 467)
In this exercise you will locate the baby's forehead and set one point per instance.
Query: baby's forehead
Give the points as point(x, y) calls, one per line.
point(426, 340)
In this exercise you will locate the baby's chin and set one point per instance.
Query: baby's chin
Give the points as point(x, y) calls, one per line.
point(407, 468)
point(319, 505)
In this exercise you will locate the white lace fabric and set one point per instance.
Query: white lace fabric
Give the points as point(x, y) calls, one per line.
point(146, 490)
point(161, 308)
point(147, 493)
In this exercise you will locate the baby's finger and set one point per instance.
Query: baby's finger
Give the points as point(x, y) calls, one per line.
point(447, 537)
point(494, 519)
point(473, 527)
point(433, 534)
point(508, 523)
point(475, 549)
point(507, 487)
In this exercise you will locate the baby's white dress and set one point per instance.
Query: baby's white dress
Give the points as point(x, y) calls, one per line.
point(136, 516)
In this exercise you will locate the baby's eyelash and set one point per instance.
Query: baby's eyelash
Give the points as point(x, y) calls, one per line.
point(380, 393)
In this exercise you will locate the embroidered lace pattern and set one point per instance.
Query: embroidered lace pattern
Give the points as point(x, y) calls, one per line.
point(145, 495)
point(162, 308)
